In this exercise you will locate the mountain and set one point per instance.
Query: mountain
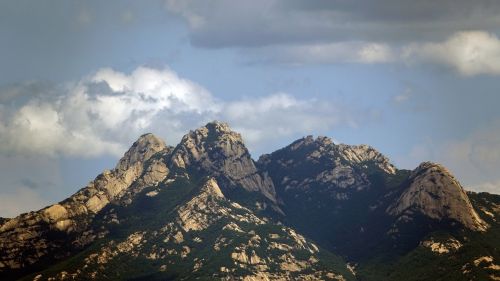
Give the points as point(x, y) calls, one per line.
point(392, 224)
point(205, 210)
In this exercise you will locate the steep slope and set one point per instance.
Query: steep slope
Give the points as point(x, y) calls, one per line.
point(433, 192)
point(218, 151)
point(140, 195)
point(35, 239)
point(462, 254)
point(334, 193)
point(201, 235)
point(352, 201)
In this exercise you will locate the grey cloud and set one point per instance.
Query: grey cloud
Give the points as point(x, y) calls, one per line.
point(342, 52)
point(19, 92)
point(474, 157)
point(29, 183)
point(225, 23)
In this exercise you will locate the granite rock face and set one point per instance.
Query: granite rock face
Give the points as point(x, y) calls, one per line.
point(185, 243)
point(28, 239)
point(336, 192)
point(212, 150)
point(308, 164)
point(217, 150)
point(434, 192)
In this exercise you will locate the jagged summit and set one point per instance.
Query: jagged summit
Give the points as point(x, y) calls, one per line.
point(219, 127)
point(432, 166)
point(323, 149)
point(141, 150)
point(309, 142)
point(211, 133)
point(217, 150)
point(434, 192)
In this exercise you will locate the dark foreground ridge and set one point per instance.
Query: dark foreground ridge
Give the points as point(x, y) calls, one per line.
point(204, 209)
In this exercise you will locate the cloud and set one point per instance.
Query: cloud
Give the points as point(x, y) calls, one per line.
point(226, 23)
point(468, 52)
point(19, 201)
point(272, 118)
point(403, 97)
point(491, 187)
point(328, 53)
point(27, 183)
point(474, 157)
point(456, 34)
point(24, 90)
point(100, 114)
point(103, 113)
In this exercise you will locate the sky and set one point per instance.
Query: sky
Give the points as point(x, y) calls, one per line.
point(81, 81)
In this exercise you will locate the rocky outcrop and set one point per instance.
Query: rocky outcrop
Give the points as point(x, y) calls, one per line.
point(236, 240)
point(338, 170)
point(449, 245)
point(366, 155)
point(201, 211)
point(434, 192)
point(111, 185)
point(218, 151)
point(155, 171)
point(335, 192)
point(146, 146)
point(25, 240)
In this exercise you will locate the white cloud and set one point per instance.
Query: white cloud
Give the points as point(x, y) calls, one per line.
point(271, 118)
point(90, 119)
point(491, 187)
point(468, 52)
point(327, 53)
point(475, 158)
point(476, 155)
point(183, 8)
point(375, 53)
point(103, 113)
point(403, 97)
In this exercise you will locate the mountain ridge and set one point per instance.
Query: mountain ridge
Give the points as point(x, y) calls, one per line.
point(349, 200)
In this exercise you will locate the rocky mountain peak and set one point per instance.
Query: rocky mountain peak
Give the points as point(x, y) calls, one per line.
point(434, 192)
point(219, 127)
point(366, 154)
point(140, 151)
point(324, 150)
point(432, 167)
point(216, 150)
point(309, 142)
point(215, 141)
point(74, 215)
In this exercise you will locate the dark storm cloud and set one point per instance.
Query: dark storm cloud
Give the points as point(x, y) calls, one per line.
point(260, 23)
